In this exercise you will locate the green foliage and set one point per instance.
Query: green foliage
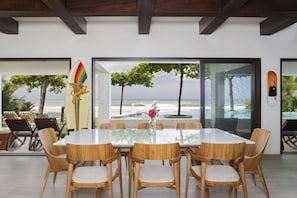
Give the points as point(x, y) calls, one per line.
point(181, 70)
point(11, 103)
point(247, 103)
point(55, 83)
point(289, 93)
point(51, 83)
point(136, 76)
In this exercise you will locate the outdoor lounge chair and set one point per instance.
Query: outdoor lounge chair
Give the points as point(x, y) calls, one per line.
point(21, 129)
point(29, 116)
point(42, 123)
point(289, 133)
point(227, 124)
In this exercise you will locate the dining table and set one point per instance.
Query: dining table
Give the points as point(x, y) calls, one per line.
point(125, 138)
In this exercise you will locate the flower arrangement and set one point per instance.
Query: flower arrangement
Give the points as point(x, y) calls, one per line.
point(152, 113)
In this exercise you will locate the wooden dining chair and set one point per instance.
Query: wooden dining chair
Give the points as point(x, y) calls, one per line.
point(21, 130)
point(93, 176)
point(42, 123)
point(189, 125)
point(254, 154)
point(145, 125)
point(56, 155)
point(117, 125)
point(113, 125)
point(148, 175)
point(208, 174)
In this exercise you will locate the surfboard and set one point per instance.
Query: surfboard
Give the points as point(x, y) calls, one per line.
point(77, 98)
point(272, 88)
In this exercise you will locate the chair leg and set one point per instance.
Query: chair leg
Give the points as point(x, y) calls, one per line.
point(254, 178)
point(55, 176)
point(188, 164)
point(44, 181)
point(260, 172)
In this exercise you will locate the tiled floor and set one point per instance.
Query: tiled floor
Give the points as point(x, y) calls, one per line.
point(21, 176)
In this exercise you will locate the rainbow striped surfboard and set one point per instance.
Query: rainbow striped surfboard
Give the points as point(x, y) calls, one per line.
point(77, 98)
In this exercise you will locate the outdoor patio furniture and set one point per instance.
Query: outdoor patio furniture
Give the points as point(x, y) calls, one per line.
point(10, 115)
point(289, 133)
point(29, 116)
point(21, 129)
point(226, 124)
point(42, 123)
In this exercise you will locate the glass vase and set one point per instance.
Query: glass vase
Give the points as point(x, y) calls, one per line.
point(152, 126)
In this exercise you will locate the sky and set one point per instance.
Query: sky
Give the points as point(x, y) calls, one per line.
point(166, 86)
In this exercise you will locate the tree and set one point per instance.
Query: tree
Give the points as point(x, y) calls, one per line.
point(10, 102)
point(190, 70)
point(133, 77)
point(52, 83)
point(289, 93)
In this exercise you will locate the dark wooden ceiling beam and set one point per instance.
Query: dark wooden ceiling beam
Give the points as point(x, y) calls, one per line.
point(208, 25)
point(274, 24)
point(145, 14)
point(9, 26)
point(77, 24)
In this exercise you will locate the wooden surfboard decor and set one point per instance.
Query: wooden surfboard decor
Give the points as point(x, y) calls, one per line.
point(77, 98)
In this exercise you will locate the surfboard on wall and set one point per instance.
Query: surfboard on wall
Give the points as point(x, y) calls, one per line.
point(77, 98)
point(272, 88)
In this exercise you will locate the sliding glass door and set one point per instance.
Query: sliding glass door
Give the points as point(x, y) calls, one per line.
point(231, 97)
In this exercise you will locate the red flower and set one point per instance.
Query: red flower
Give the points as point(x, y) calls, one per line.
point(152, 113)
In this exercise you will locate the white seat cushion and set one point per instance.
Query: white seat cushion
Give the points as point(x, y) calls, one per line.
point(156, 174)
point(219, 173)
point(90, 174)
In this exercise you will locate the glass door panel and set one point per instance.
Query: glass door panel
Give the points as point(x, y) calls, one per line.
point(228, 96)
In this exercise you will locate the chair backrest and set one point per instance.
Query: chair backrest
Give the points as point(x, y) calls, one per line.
point(260, 137)
point(155, 151)
point(18, 125)
point(255, 152)
point(27, 115)
point(42, 123)
point(188, 125)
point(113, 125)
point(145, 125)
point(78, 152)
point(211, 151)
point(47, 137)
point(10, 115)
point(227, 124)
point(289, 125)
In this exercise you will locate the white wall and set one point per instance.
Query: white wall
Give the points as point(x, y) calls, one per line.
point(166, 39)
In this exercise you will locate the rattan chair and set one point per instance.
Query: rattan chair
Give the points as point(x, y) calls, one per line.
point(56, 155)
point(93, 176)
point(148, 175)
point(208, 174)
